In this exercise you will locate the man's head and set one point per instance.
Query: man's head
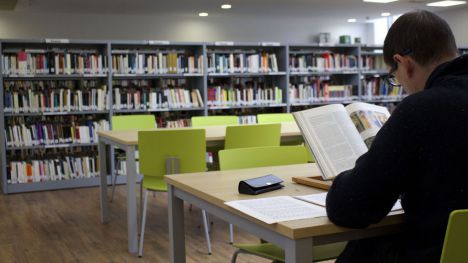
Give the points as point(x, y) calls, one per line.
point(415, 45)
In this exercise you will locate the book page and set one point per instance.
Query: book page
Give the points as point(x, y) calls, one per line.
point(320, 199)
point(277, 209)
point(368, 119)
point(332, 138)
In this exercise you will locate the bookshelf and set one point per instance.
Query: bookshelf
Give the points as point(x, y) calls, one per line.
point(373, 72)
point(463, 50)
point(160, 78)
point(244, 78)
point(171, 80)
point(322, 74)
point(54, 96)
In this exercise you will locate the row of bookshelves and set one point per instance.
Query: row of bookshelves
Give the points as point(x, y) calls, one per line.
point(58, 94)
point(89, 97)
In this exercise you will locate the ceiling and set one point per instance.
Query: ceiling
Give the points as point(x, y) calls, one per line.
point(332, 9)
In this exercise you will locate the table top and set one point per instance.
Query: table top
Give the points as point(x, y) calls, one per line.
point(213, 133)
point(218, 187)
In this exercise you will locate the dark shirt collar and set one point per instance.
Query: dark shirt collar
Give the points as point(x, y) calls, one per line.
point(457, 66)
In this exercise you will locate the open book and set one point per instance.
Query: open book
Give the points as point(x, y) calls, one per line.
point(338, 135)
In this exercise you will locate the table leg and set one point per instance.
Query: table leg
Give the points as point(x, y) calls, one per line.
point(298, 251)
point(176, 227)
point(132, 225)
point(102, 149)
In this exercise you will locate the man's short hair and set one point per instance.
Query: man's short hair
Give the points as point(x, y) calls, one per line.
point(423, 35)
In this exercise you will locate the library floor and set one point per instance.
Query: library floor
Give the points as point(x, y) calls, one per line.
point(64, 226)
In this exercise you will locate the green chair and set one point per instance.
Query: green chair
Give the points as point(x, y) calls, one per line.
point(272, 156)
point(128, 123)
point(168, 152)
point(275, 253)
point(456, 238)
point(244, 136)
point(261, 156)
point(275, 118)
point(201, 121)
point(279, 118)
point(133, 122)
point(257, 135)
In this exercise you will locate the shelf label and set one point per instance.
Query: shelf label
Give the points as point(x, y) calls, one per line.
point(57, 40)
point(224, 43)
point(159, 42)
point(270, 44)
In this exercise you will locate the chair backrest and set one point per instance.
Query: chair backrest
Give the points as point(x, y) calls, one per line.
point(201, 121)
point(456, 238)
point(188, 146)
point(275, 118)
point(261, 156)
point(258, 135)
point(133, 122)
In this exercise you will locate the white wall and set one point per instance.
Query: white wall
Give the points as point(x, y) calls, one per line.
point(458, 21)
point(113, 26)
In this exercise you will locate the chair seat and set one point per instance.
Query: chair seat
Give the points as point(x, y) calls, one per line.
point(154, 184)
point(273, 252)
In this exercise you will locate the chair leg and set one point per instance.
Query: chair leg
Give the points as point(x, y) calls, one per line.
point(114, 181)
point(207, 235)
point(234, 256)
point(231, 234)
point(143, 223)
point(141, 203)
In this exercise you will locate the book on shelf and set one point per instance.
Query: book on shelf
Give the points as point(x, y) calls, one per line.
point(20, 133)
point(157, 63)
point(248, 119)
point(121, 167)
point(373, 62)
point(45, 62)
point(130, 98)
point(40, 97)
point(375, 88)
point(338, 135)
point(319, 90)
point(322, 62)
point(56, 169)
point(227, 96)
point(262, 62)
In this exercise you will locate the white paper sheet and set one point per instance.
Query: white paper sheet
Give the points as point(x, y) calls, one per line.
point(277, 209)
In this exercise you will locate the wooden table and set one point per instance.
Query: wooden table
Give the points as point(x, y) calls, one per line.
point(128, 141)
point(210, 190)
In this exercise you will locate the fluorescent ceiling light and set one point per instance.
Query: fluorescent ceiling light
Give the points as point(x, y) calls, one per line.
point(203, 14)
point(446, 3)
point(226, 6)
point(380, 1)
point(352, 20)
point(385, 14)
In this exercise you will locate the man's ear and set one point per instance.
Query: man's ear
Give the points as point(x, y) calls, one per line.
point(406, 63)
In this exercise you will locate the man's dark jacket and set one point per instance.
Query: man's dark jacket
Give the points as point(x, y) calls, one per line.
point(420, 154)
